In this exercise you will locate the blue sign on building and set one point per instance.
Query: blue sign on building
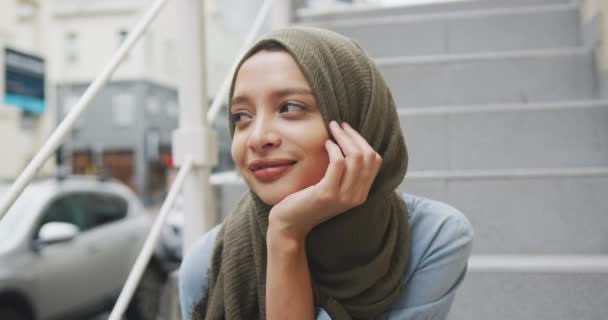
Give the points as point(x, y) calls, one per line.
point(24, 81)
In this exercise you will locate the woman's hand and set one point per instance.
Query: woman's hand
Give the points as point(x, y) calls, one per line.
point(353, 166)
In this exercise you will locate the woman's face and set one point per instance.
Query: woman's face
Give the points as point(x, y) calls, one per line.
point(279, 136)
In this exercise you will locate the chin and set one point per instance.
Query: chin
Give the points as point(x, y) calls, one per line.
point(271, 199)
point(267, 196)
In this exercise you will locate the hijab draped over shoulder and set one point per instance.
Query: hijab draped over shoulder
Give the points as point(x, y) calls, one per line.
point(357, 259)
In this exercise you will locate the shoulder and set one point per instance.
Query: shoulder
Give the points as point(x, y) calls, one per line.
point(433, 221)
point(437, 231)
point(193, 272)
point(198, 257)
point(441, 242)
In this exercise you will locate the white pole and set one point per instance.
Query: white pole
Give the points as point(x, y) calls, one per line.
point(280, 15)
point(66, 125)
point(193, 135)
point(259, 21)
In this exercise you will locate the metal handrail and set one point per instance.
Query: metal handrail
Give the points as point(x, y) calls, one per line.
point(146, 252)
point(57, 137)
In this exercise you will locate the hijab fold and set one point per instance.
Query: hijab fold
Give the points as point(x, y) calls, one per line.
point(357, 259)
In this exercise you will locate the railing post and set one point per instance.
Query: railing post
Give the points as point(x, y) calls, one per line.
point(194, 137)
point(282, 14)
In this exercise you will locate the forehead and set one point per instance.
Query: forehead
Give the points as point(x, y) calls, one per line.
point(267, 70)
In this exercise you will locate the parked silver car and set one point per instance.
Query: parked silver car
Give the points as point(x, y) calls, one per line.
point(66, 248)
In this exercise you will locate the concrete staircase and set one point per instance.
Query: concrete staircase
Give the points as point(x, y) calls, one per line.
point(500, 105)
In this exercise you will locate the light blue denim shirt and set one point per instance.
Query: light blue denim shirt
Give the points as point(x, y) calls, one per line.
point(441, 243)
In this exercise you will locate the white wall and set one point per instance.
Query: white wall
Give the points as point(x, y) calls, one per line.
point(96, 39)
point(97, 28)
point(7, 18)
point(18, 145)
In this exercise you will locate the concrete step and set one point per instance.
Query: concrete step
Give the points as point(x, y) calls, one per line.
point(557, 211)
point(567, 134)
point(324, 14)
point(532, 296)
point(488, 78)
point(551, 26)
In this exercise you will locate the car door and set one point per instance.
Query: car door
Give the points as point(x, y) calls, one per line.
point(65, 269)
point(115, 238)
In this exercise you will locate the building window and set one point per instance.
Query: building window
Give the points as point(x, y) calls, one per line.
point(172, 109)
point(123, 109)
point(122, 36)
point(71, 48)
point(153, 105)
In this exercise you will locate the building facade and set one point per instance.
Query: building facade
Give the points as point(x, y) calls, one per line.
point(23, 128)
point(127, 130)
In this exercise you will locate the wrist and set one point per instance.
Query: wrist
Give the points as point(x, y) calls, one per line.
point(285, 227)
point(281, 237)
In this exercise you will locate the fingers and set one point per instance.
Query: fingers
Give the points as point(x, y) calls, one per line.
point(344, 139)
point(335, 169)
point(352, 156)
point(370, 156)
point(357, 138)
point(371, 159)
point(361, 162)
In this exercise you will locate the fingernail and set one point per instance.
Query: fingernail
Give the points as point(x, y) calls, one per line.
point(333, 123)
point(344, 124)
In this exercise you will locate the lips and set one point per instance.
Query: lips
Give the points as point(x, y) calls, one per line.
point(267, 170)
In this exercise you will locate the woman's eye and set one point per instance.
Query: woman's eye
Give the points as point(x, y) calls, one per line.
point(291, 107)
point(239, 116)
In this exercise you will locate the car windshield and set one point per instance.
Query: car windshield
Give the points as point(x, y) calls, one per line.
point(13, 217)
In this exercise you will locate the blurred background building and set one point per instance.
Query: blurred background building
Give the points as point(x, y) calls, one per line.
point(126, 132)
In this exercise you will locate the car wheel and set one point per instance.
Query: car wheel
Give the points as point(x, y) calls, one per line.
point(146, 299)
point(11, 313)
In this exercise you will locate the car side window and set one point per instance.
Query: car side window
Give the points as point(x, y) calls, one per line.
point(106, 208)
point(69, 208)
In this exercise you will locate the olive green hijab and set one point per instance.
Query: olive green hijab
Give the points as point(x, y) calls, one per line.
point(357, 259)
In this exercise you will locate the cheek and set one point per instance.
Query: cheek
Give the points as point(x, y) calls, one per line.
point(319, 158)
point(237, 150)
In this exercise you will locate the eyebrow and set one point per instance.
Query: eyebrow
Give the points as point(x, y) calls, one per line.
point(292, 91)
point(277, 94)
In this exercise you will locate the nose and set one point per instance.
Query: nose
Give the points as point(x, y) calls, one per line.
point(263, 136)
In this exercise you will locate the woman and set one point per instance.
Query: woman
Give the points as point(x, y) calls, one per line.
point(322, 232)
